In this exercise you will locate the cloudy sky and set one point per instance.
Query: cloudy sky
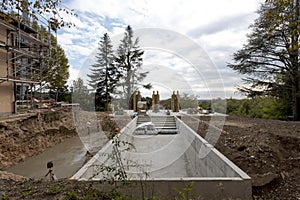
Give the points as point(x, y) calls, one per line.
point(187, 43)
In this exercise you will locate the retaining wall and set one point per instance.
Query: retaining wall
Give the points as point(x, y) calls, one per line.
point(213, 176)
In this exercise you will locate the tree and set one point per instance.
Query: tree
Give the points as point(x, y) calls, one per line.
point(54, 66)
point(270, 59)
point(244, 108)
point(81, 94)
point(218, 105)
point(188, 101)
point(129, 61)
point(37, 8)
point(232, 105)
point(56, 69)
point(261, 107)
point(104, 75)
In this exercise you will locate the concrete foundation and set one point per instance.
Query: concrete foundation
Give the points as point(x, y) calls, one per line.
point(164, 162)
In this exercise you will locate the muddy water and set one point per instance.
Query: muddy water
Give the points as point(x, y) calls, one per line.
point(68, 157)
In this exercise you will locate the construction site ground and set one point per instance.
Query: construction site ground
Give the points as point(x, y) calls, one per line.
point(267, 150)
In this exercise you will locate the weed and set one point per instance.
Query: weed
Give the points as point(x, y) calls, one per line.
point(184, 194)
point(54, 191)
point(92, 194)
point(28, 191)
point(71, 196)
point(114, 194)
point(39, 180)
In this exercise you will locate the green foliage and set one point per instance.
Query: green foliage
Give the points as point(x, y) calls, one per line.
point(54, 191)
point(61, 94)
point(92, 194)
point(188, 101)
point(71, 196)
point(40, 180)
point(28, 191)
point(283, 14)
point(232, 106)
point(56, 69)
point(114, 168)
point(107, 124)
point(120, 70)
point(271, 108)
point(114, 194)
point(129, 59)
point(270, 58)
point(5, 197)
point(185, 193)
point(37, 8)
point(81, 95)
point(244, 108)
point(218, 105)
point(260, 107)
point(104, 74)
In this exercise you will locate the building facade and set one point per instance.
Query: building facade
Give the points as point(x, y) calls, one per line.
point(24, 48)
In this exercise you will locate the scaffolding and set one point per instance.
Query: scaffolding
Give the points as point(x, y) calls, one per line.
point(25, 46)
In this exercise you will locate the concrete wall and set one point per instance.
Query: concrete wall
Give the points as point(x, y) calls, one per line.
point(6, 98)
point(204, 159)
point(213, 175)
point(91, 168)
point(205, 189)
point(6, 88)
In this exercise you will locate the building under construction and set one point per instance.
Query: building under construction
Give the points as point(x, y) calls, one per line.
point(24, 48)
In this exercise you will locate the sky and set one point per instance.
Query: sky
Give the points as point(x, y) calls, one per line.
point(187, 44)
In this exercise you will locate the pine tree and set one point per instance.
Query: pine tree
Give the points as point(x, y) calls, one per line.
point(104, 75)
point(270, 57)
point(129, 61)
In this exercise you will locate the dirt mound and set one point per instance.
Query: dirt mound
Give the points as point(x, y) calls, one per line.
point(267, 150)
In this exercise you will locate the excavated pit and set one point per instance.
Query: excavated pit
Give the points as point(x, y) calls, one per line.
point(172, 158)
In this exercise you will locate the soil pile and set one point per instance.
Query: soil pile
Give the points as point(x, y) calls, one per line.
point(267, 150)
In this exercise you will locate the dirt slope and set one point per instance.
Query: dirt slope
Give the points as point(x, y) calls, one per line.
point(267, 150)
point(25, 136)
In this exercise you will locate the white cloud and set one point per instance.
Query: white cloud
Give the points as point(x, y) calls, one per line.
point(73, 74)
point(218, 26)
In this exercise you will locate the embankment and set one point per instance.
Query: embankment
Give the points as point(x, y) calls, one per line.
point(27, 135)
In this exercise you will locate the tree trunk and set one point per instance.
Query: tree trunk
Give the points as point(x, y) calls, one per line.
point(295, 62)
point(296, 97)
point(128, 81)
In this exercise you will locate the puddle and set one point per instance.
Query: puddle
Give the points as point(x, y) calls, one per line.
point(67, 158)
